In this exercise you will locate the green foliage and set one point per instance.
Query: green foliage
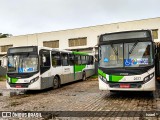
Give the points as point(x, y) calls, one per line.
point(94, 76)
point(2, 78)
point(4, 35)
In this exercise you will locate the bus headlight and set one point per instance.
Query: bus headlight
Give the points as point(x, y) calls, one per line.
point(149, 77)
point(33, 80)
point(103, 78)
point(100, 76)
point(146, 78)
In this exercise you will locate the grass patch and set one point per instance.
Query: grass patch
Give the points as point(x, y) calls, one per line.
point(2, 78)
point(94, 76)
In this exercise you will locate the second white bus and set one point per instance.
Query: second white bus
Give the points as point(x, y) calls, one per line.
point(36, 68)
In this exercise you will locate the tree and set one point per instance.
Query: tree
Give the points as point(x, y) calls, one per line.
point(5, 35)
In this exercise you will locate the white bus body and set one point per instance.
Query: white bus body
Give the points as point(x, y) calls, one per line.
point(126, 61)
point(37, 68)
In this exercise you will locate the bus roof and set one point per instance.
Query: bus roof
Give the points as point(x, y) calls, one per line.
point(53, 49)
point(125, 35)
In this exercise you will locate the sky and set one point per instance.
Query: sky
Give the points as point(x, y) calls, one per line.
point(20, 17)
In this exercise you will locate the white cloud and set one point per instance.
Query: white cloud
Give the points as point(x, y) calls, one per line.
point(32, 16)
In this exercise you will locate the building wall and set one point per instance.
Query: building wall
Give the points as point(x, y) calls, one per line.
point(91, 33)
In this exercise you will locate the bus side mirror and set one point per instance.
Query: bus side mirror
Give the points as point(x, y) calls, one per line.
point(99, 54)
point(4, 61)
point(44, 59)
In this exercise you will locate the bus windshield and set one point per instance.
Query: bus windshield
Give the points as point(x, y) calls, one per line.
point(22, 63)
point(135, 54)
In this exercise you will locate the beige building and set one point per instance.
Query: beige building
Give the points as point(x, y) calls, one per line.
point(81, 39)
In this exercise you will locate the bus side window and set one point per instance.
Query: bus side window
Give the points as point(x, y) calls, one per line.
point(87, 59)
point(77, 60)
point(91, 60)
point(56, 59)
point(64, 58)
point(71, 59)
point(84, 61)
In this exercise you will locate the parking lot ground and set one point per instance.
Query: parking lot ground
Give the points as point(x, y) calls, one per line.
point(83, 100)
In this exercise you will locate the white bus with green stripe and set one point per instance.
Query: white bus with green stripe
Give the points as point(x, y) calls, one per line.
point(36, 68)
point(126, 61)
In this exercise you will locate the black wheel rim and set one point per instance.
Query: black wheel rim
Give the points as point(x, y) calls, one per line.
point(56, 82)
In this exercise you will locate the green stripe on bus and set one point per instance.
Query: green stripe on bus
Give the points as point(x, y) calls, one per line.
point(100, 72)
point(79, 68)
point(13, 80)
point(79, 53)
point(115, 78)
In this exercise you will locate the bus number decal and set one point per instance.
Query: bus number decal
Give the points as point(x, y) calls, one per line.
point(137, 78)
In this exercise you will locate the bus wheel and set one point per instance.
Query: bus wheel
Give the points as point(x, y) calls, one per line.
point(56, 82)
point(84, 76)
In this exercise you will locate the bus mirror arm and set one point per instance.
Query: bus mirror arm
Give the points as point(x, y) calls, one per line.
point(96, 59)
point(99, 56)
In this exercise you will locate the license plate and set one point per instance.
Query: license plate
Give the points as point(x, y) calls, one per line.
point(124, 85)
point(18, 86)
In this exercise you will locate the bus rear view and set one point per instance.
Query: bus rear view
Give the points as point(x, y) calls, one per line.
point(126, 61)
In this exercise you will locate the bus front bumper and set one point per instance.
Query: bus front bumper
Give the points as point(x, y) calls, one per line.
point(140, 86)
point(24, 86)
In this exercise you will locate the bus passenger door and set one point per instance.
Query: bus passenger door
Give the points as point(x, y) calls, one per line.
point(66, 70)
point(45, 69)
point(57, 65)
point(78, 67)
point(71, 65)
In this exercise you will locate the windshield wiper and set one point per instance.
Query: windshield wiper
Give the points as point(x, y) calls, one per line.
point(116, 52)
point(133, 47)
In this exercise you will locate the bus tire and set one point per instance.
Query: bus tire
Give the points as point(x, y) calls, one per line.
point(56, 82)
point(84, 76)
point(151, 93)
point(114, 91)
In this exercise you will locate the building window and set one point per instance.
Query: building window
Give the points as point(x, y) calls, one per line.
point(155, 33)
point(78, 42)
point(51, 44)
point(77, 60)
point(84, 60)
point(5, 48)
